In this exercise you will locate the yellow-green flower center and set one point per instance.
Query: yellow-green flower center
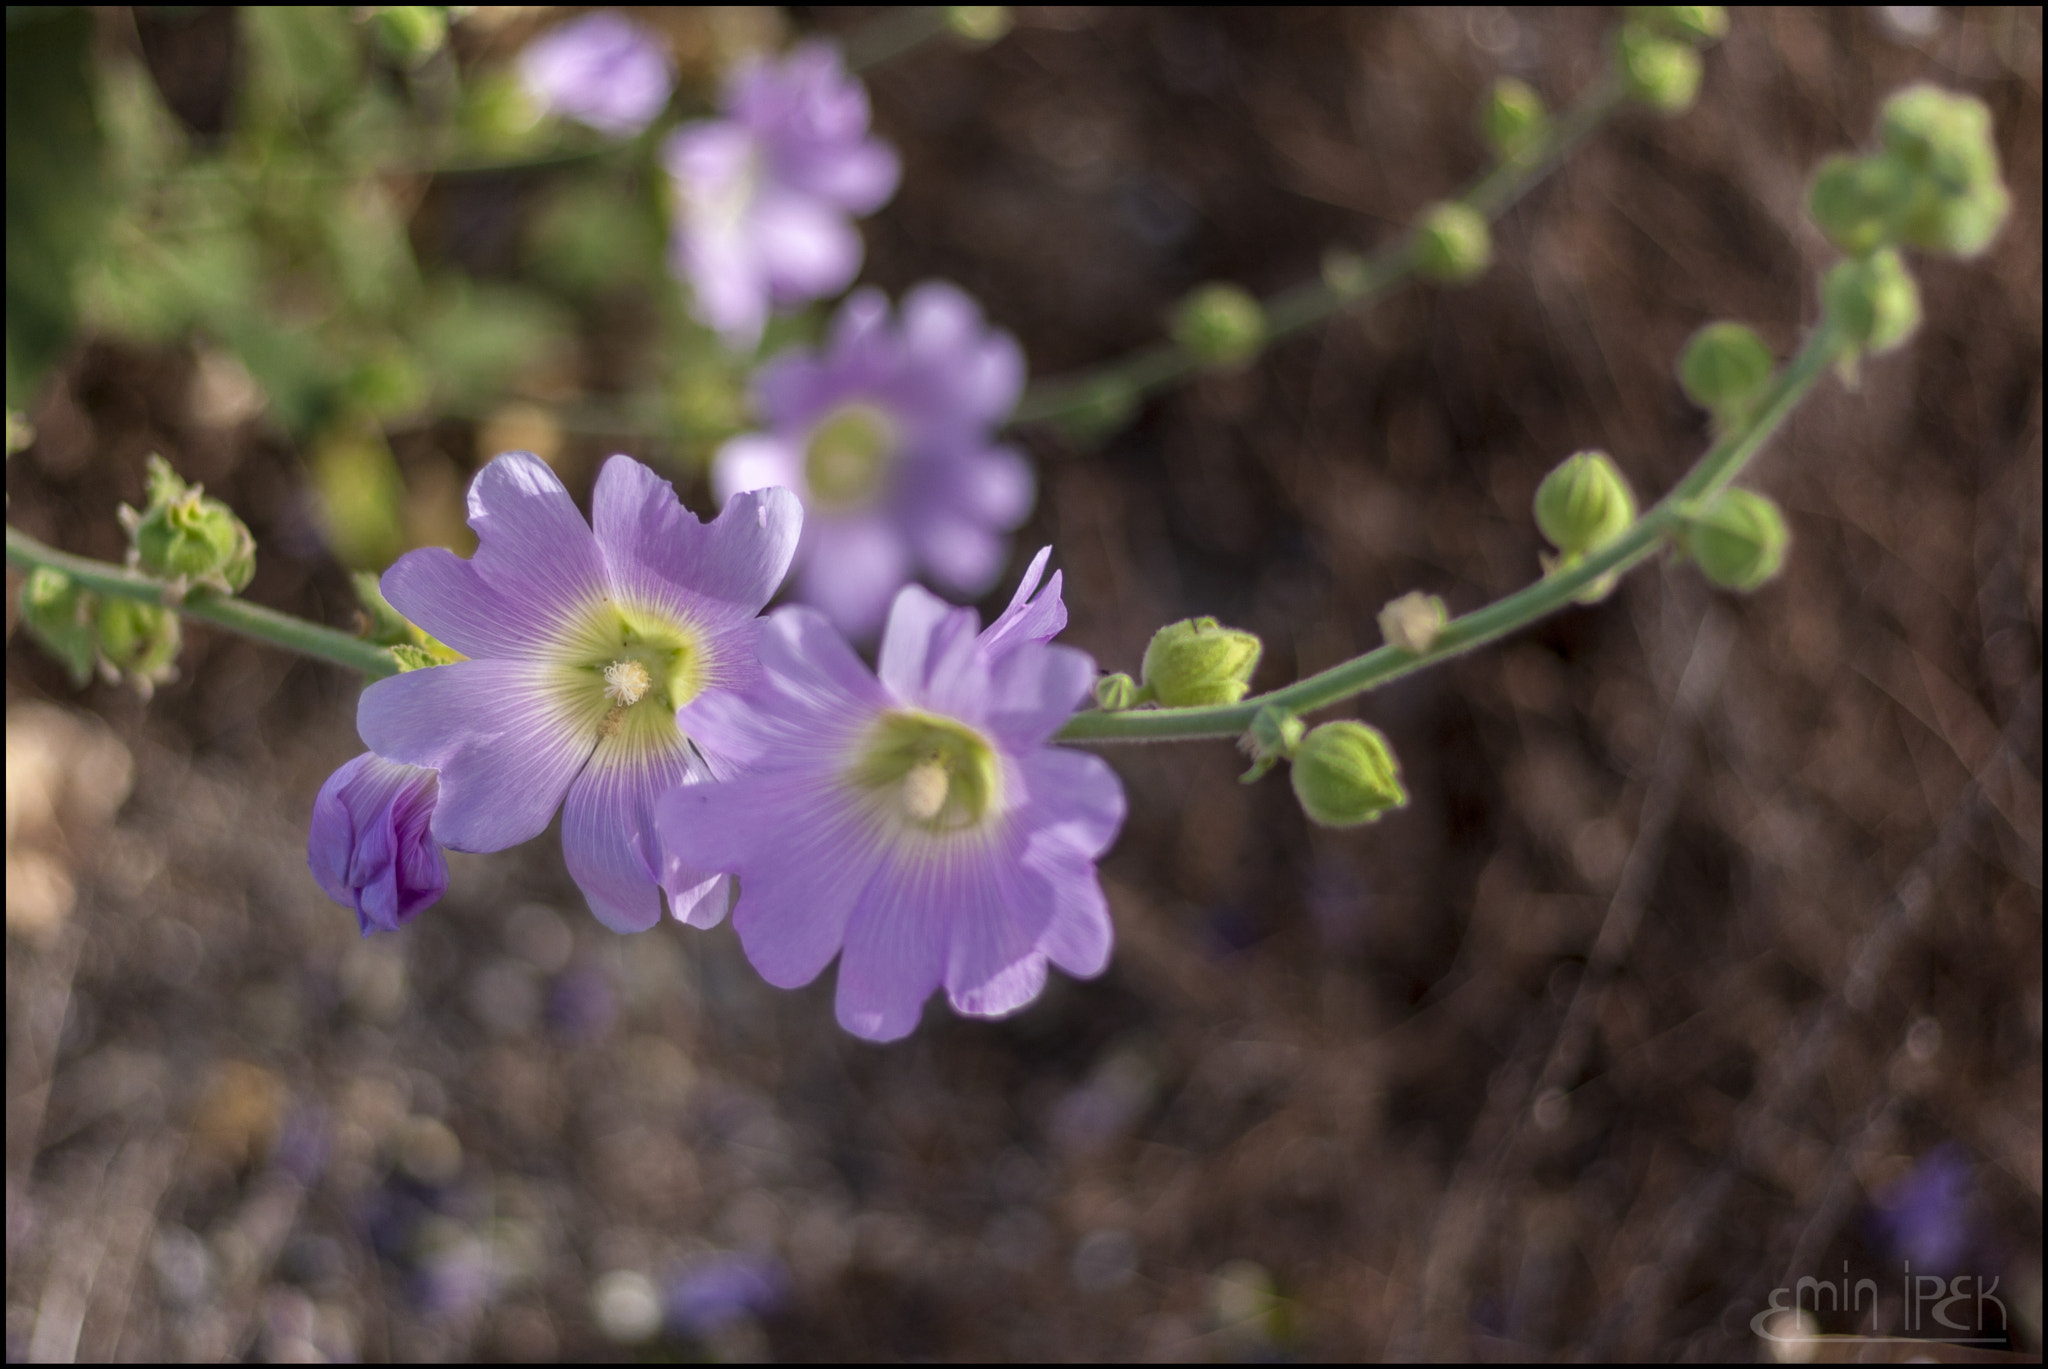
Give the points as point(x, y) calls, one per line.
point(931, 772)
point(625, 670)
point(848, 455)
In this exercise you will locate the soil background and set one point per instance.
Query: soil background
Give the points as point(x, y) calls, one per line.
point(1707, 955)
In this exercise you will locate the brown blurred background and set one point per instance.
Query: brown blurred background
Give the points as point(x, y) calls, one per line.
point(1706, 957)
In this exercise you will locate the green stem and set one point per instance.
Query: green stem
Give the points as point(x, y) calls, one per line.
point(236, 615)
point(1721, 463)
point(1290, 311)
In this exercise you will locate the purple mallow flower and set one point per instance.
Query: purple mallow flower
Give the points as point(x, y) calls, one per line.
point(582, 644)
point(763, 194)
point(370, 847)
point(599, 70)
point(887, 436)
point(919, 824)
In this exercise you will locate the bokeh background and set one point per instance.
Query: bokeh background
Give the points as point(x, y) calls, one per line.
point(1707, 956)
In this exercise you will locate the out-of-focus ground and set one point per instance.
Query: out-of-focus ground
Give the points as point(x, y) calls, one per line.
point(1707, 956)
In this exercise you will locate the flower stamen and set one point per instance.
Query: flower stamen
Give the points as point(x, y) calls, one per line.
point(627, 682)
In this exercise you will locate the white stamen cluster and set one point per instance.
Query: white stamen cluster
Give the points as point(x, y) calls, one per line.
point(626, 682)
point(924, 790)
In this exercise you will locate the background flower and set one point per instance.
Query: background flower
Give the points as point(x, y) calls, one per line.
point(914, 821)
point(887, 435)
point(763, 195)
point(601, 70)
point(581, 645)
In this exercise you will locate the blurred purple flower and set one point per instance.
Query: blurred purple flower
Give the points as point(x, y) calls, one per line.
point(887, 436)
point(763, 194)
point(581, 645)
point(713, 1294)
point(1925, 1216)
point(581, 1005)
point(370, 847)
point(917, 824)
point(599, 70)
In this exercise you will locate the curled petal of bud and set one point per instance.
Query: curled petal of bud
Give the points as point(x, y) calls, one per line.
point(1414, 621)
point(1584, 504)
point(370, 847)
point(1452, 243)
point(1345, 774)
point(1198, 662)
point(1220, 325)
point(1738, 538)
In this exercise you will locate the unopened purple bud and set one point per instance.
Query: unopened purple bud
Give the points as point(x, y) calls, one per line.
point(600, 70)
point(370, 848)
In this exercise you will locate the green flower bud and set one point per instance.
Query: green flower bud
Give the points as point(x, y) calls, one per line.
point(411, 33)
point(1584, 504)
point(1941, 135)
point(138, 640)
point(1414, 621)
point(1115, 693)
point(1514, 120)
point(1220, 325)
point(1699, 25)
point(1958, 225)
point(1725, 369)
point(1452, 243)
point(58, 613)
point(1738, 538)
point(979, 23)
point(1872, 300)
point(1197, 662)
point(1347, 274)
point(1858, 201)
point(1274, 735)
point(1661, 72)
point(1345, 774)
point(186, 538)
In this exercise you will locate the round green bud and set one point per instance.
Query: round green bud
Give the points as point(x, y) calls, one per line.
point(1414, 621)
point(1198, 662)
point(1738, 538)
point(1872, 300)
point(1663, 73)
point(1452, 243)
point(1941, 135)
point(1514, 120)
point(1584, 504)
point(58, 612)
point(1699, 25)
point(1958, 225)
point(193, 538)
point(1115, 693)
point(140, 640)
point(1858, 201)
point(1726, 368)
point(411, 33)
point(1345, 774)
point(1220, 324)
point(979, 23)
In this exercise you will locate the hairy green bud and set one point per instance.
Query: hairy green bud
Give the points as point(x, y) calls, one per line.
point(1514, 120)
point(1726, 368)
point(1738, 538)
point(1872, 300)
point(1663, 73)
point(1961, 224)
point(1115, 693)
point(979, 23)
point(186, 538)
point(1414, 621)
point(1859, 201)
point(1345, 774)
point(1452, 243)
point(1220, 324)
point(1198, 662)
point(58, 613)
point(1699, 25)
point(138, 640)
point(1941, 135)
point(1584, 504)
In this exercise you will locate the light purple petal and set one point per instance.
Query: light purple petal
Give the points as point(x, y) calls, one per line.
point(803, 853)
point(859, 179)
point(535, 563)
point(1076, 800)
point(925, 646)
point(608, 835)
point(505, 746)
point(1080, 936)
point(369, 847)
point(1016, 987)
point(1029, 619)
point(754, 461)
point(896, 946)
point(852, 567)
point(814, 695)
point(599, 70)
point(807, 250)
point(944, 331)
point(998, 912)
point(660, 554)
point(961, 554)
point(1033, 690)
point(996, 486)
point(726, 279)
